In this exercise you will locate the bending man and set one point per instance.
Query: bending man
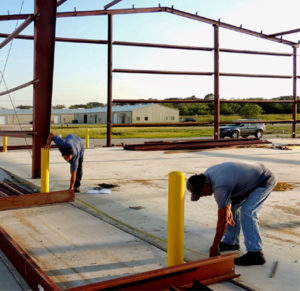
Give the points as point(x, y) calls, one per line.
point(239, 190)
point(72, 150)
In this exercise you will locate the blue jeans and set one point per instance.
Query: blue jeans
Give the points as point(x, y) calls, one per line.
point(245, 214)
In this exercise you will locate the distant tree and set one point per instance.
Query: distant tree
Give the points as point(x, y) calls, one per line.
point(76, 106)
point(24, 107)
point(209, 96)
point(184, 110)
point(58, 106)
point(94, 104)
point(251, 111)
point(229, 108)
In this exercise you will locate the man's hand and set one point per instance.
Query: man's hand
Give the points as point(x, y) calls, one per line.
point(214, 251)
point(229, 217)
point(72, 180)
point(224, 218)
point(49, 140)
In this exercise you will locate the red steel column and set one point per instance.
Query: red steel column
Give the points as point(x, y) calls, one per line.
point(294, 130)
point(216, 83)
point(109, 80)
point(44, 43)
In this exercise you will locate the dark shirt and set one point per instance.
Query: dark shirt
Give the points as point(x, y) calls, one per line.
point(76, 144)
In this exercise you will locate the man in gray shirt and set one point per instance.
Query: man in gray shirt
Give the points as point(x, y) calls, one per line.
point(239, 190)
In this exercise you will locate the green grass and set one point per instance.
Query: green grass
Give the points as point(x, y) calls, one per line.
point(99, 131)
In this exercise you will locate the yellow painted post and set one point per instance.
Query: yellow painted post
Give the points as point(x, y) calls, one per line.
point(44, 170)
point(175, 219)
point(87, 138)
point(4, 143)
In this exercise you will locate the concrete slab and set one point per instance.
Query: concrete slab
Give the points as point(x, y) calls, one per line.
point(139, 206)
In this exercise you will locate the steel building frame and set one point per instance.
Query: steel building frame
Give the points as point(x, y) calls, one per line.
point(44, 17)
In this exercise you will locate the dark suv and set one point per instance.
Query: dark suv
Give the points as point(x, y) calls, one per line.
point(243, 129)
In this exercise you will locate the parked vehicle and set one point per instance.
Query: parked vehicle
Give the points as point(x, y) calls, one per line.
point(188, 120)
point(242, 128)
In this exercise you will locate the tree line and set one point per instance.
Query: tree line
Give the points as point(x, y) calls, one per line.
point(246, 110)
point(243, 109)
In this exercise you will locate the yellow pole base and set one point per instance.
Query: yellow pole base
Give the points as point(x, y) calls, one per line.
point(87, 138)
point(5, 144)
point(176, 219)
point(44, 170)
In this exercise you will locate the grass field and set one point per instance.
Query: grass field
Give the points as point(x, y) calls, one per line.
point(99, 131)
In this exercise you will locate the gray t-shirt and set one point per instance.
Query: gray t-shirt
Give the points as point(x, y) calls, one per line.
point(230, 180)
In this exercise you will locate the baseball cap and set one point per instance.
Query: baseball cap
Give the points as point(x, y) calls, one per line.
point(195, 185)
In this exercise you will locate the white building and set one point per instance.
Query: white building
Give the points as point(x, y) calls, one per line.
point(141, 113)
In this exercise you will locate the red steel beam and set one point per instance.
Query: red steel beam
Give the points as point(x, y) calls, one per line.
point(44, 42)
point(285, 32)
point(109, 12)
point(133, 71)
point(112, 4)
point(27, 21)
point(36, 199)
point(18, 87)
point(14, 16)
point(185, 145)
point(180, 100)
point(160, 72)
point(60, 2)
point(16, 133)
point(162, 9)
point(109, 79)
point(294, 126)
point(206, 271)
point(216, 84)
point(28, 269)
point(155, 45)
point(229, 26)
point(11, 189)
point(183, 124)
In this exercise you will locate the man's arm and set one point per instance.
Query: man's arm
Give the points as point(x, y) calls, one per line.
point(49, 140)
point(72, 180)
point(224, 218)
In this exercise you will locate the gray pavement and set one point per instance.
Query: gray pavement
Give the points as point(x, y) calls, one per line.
point(103, 236)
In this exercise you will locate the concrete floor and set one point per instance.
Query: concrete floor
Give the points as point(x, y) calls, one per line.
point(102, 236)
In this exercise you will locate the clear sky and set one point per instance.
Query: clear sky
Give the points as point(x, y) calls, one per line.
point(80, 69)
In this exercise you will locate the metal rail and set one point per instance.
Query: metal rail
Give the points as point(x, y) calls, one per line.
point(180, 100)
point(17, 133)
point(18, 87)
point(183, 124)
point(154, 45)
point(205, 271)
point(190, 145)
point(27, 21)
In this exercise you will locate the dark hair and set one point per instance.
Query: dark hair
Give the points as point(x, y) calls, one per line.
point(67, 151)
point(197, 182)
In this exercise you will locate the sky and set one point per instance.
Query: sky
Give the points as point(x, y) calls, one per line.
point(80, 70)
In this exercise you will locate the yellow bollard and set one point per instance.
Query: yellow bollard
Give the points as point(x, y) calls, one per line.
point(175, 219)
point(44, 170)
point(4, 144)
point(87, 138)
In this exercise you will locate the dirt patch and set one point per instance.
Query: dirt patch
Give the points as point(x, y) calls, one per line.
point(283, 186)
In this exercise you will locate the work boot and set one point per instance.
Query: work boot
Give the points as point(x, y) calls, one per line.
point(227, 247)
point(250, 258)
point(76, 189)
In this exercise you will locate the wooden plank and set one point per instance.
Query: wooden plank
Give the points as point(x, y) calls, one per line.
point(36, 199)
